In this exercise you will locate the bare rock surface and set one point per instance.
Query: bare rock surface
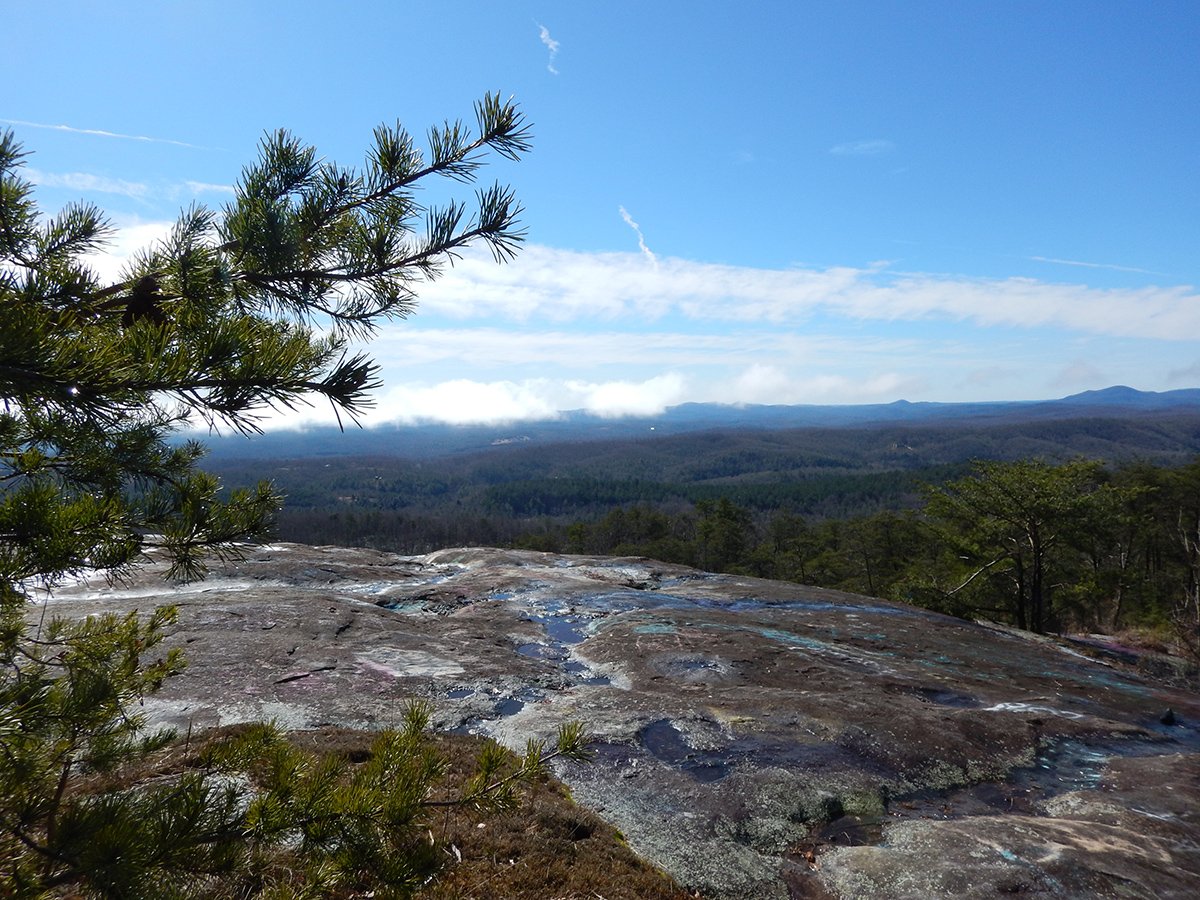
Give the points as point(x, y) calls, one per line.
point(754, 739)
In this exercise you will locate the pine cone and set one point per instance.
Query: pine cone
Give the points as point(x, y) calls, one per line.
point(144, 303)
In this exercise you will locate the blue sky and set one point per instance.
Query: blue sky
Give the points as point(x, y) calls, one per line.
point(784, 202)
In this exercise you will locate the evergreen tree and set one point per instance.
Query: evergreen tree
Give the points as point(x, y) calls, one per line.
point(723, 532)
point(1015, 526)
point(240, 311)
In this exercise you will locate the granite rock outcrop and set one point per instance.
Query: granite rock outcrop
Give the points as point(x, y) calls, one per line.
point(753, 738)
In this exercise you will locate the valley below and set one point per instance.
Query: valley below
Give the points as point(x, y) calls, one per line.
point(752, 738)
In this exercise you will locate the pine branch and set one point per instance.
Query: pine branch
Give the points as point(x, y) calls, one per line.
point(503, 128)
point(571, 744)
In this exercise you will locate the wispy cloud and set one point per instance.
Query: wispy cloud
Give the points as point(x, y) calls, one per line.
point(876, 147)
point(83, 181)
point(203, 187)
point(646, 251)
point(1092, 265)
point(551, 45)
point(561, 285)
point(89, 183)
point(96, 132)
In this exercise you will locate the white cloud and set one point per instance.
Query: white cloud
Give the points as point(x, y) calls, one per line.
point(464, 401)
point(405, 348)
point(761, 383)
point(568, 287)
point(551, 45)
point(1163, 313)
point(773, 385)
point(628, 398)
point(876, 147)
point(606, 332)
point(125, 243)
point(838, 388)
point(85, 182)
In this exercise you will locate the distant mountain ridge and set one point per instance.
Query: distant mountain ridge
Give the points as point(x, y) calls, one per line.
point(435, 439)
point(1131, 398)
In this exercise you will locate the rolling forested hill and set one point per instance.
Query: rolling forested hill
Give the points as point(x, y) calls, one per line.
point(491, 495)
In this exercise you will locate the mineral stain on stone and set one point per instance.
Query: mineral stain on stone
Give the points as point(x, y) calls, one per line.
point(655, 628)
point(943, 697)
point(1062, 767)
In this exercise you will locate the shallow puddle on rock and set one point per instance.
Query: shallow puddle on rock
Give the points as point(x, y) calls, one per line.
point(851, 831)
point(633, 601)
point(406, 609)
point(699, 663)
point(565, 628)
point(665, 742)
point(691, 668)
point(510, 707)
point(585, 673)
point(548, 652)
